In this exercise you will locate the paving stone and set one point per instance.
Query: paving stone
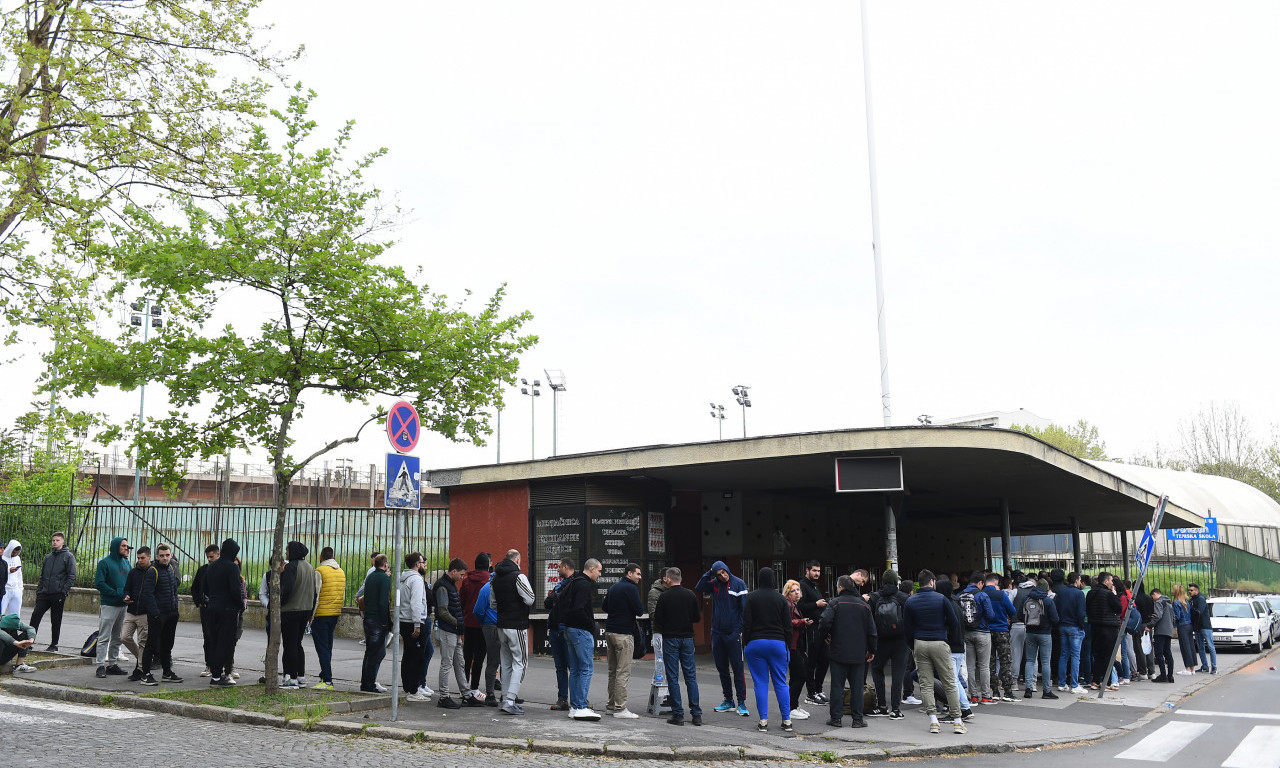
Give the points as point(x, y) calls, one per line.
point(549, 746)
point(708, 753)
point(387, 732)
point(642, 753)
point(493, 742)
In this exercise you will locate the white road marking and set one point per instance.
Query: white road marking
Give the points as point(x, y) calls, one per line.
point(1260, 749)
point(1165, 742)
point(13, 718)
point(8, 702)
point(1211, 713)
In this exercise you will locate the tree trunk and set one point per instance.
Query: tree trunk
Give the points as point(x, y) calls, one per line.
point(277, 557)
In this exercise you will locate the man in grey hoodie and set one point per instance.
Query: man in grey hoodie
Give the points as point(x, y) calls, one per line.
point(414, 624)
point(109, 578)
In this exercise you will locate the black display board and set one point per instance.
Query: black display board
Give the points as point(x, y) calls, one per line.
point(616, 537)
point(556, 534)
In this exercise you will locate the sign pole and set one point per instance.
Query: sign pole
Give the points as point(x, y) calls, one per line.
point(395, 624)
point(1144, 557)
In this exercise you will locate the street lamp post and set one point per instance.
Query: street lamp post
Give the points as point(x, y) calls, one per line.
point(717, 413)
point(740, 392)
point(558, 384)
point(534, 393)
point(148, 316)
point(499, 461)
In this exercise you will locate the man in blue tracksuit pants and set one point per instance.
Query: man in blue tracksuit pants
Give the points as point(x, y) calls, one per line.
point(728, 595)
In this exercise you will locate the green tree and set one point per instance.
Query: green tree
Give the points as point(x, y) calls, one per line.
point(104, 100)
point(1080, 440)
point(295, 246)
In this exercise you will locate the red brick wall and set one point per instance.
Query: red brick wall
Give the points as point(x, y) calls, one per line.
point(489, 518)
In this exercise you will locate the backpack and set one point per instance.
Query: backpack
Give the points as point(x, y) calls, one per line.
point(888, 617)
point(970, 611)
point(1134, 621)
point(1033, 611)
point(90, 647)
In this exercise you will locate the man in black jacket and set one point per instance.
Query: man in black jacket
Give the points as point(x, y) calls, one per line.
point(57, 577)
point(222, 588)
point(158, 597)
point(573, 607)
point(135, 619)
point(888, 607)
point(555, 636)
point(811, 606)
point(847, 625)
point(200, 598)
point(622, 605)
point(677, 611)
point(1102, 606)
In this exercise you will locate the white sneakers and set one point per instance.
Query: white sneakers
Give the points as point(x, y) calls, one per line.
point(1184, 672)
point(418, 695)
point(912, 700)
point(799, 714)
point(1079, 689)
point(24, 667)
point(584, 714)
point(625, 714)
point(425, 691)
point(379, 688)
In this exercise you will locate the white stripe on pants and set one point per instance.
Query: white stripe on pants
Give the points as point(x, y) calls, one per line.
point(515, 656)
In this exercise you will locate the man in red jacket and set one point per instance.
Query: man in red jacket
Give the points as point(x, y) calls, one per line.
point(474, 650)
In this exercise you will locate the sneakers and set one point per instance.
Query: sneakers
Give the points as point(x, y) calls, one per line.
point(447, 702)
point(763, 726)
point(1079, 690)
point(560, 706)
point(135, 675)
point(586, 714)
point(879, 712)
point(799, 714)
point(102, 672)
point(205, 672)
point(379, 687)
point(511, 708)
point(834, 723)
point(625, 714)
point(912, 700)
point(786, 727)
point(221, 682)
point(170, 677)
point(25, 667)
point(697, 719)
point(52, 648)
point(235, 675)
point(1063, 688)
point(727, 705)
point(302, 682)
point(985, 700)
point(470, 700)
point(1030, 692)
point(1048, 695)
point(676, 720)
point(1184, 672)
point(1008, 699)
point(491, 701)
point(424, 690)
point(896, 715)
point(289, 682)
point(958, 727)
point(148, 679)
point(816, 699)
point(417, 695)
point(934, 728)
point(967, 715)
point(742, 710)
point(322, 686)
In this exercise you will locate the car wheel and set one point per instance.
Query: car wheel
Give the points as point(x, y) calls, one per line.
point(1257, 646)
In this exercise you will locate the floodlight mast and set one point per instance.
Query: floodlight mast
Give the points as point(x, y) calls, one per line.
point(743, 399)
point(556, 380)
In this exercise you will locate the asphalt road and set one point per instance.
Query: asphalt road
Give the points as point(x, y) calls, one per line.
point(1234, 723)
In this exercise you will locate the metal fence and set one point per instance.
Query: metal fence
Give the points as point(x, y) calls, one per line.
point(1161, 575)
point(354, 534)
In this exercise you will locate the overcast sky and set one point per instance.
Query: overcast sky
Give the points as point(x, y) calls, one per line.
point(1077, 203)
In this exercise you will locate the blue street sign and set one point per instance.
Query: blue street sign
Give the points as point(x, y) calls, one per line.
point(1208, 533)
point(402, 491)
point(1145, 547)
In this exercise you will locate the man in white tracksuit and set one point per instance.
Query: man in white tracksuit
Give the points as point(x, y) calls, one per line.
point(12, 602)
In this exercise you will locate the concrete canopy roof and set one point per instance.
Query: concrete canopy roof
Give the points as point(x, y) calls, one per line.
point(1230, 501)
point(950, 473)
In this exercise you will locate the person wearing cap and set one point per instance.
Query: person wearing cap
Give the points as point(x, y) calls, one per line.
point(109, 579)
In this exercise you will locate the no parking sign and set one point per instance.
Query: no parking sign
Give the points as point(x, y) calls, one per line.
point(403, 427)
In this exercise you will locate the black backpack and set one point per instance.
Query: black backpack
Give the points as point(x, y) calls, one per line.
point(888, 617)
point(970, 611)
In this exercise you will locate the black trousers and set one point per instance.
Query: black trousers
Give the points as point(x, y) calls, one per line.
point(415, 650)
point(53, 604)
point(1104, 642)
point(222, 633)
point(160, 632)
point(817, 662)
point(206, 632)
point(796, 676)
point(7, 652)
point(474, 653)
point(293, 625)
point(892, 651)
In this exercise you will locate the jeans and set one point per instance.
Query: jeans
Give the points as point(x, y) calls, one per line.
point(110, 623)
point(161, 628)
point(1086, 654)
point(957, 660)
point(375, 650)
point(856, 676)
point(620, 649)
point(54, 605)
point(933, 660)
point(1069, 662)
point(1037, 648)
point(322, 628)
point(891, 651)
point(677, 652)
point(978, 647)
point(560, 655)
point(582, 646)
point(726, 649)
point(767, 660)
point(1186, 644)
point(449, 644)
point(1018, 644)
point(513, 648)
point(1206, 642)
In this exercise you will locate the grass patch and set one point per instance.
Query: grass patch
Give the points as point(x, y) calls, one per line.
point(43, 656)
point(254, 698)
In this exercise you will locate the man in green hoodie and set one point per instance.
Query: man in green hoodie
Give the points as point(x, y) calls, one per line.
point(109, 579)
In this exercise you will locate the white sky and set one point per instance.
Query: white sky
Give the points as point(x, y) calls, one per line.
point(1077, 202)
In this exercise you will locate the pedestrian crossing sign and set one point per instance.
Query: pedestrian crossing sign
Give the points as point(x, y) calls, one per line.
point(402, 489)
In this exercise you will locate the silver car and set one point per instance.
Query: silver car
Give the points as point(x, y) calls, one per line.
point(1272, 603)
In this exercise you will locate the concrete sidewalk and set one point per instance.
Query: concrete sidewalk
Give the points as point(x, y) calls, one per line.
point(997, 728)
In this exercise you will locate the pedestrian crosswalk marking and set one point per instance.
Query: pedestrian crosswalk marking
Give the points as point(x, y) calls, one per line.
point(1256, 750)
point(1165, 742)
point(9, 702)
point(1210, 713)
point(13, 718)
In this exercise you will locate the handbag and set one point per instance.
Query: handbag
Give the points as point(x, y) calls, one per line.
point(1146, 644)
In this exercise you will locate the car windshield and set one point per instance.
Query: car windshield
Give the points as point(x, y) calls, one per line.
point(1231, 610)
point(1274, 602)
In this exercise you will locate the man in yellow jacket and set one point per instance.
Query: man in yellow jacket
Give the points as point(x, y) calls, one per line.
point(333, 590)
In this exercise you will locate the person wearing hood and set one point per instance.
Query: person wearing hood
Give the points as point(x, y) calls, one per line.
point(1162, 629)
point(299, 591)
point(659, 585)
point(728, 593)
point(1039, 615)
point(333, 591)
point(57, 576)
point(224, 590)
point(109, 579)
point(13, 586)
point(135, 618)
point(766, 634)
point(474, 650)
point(888, 607)
point(414, 625)
point(16, 640)
point(511, 596)
point(850, 631)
